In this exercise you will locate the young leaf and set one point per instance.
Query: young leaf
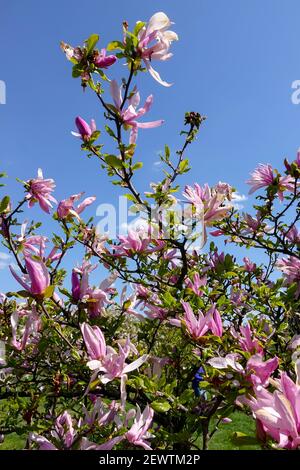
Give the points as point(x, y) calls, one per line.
point(137, 166)
point(4, 204)
point(113, 161)
point(91, 42)
point(113, 45)
point(160, 406)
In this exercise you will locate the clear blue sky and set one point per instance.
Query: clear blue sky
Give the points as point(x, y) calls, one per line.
point(235, 62)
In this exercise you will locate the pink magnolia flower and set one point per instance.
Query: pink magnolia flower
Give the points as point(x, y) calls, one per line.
point(85, 130)
point(199, 327)
point(76, 286)
point(238, 298)
point(138, 433)
point(216, 258)
point(80, 279)
point(131, 114)
point(103, 61)
point(253, 224)
point(295, 342)
point(64, 429)
point(156, 366)
point(66, 207)
point(37, 278)
point(94, 297)
point(95, 242)
point(209, 204)
point(215, 321)
point(196, 327)
point(156, 31)
point(259, 370)
point(224, 190)
point(295, 162)
point(143, 293)
point(261, 177)
point(278, 412)
point(88, 445)
point(39, 190)
point(94, 341)
point(230, 361)
point(246, 341)
point(137, 242)
point(42, 442)
point(291, 271)
point(100, 414)
point(173, 257)
point(196, 284)
point(114, 365)
point(249, 266)
point(29, 332)
point(63, 433)
point(36, 245)
point(286, 183)
point(155, 311)
point(292, 234)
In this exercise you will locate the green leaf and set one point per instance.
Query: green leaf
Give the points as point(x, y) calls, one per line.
point(113, 161)
point(49, 291)
point(167, 152)
point(94, 384)
point(183, 166)
point(187, 396)
point(113, 45)
point(110, 132)
point(95, 135)
point(133, 39)
point(169, 299)
point(160, 406)
point(102, 75)
point(130, 197)
point(138, 26)
point(230, 274)
point(4, 204)
point(137, 166)
point(76, 71)
point(91, 42)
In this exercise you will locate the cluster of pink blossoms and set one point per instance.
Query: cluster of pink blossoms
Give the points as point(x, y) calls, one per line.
point(96, 298)
point(263, 176)
point(66, 432)
point(277, 411)
point(105, 359)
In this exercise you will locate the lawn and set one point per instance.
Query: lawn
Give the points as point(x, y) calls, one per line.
point(238, 435)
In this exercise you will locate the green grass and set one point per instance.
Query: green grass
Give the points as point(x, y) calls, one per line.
point(13, 442)
point(225, 438)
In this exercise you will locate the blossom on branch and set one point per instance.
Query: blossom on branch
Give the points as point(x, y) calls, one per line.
point(39, 190)
point(132, 113)
point(155, 40)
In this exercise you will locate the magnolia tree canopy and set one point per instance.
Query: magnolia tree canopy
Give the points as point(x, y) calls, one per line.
point(179, 335)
